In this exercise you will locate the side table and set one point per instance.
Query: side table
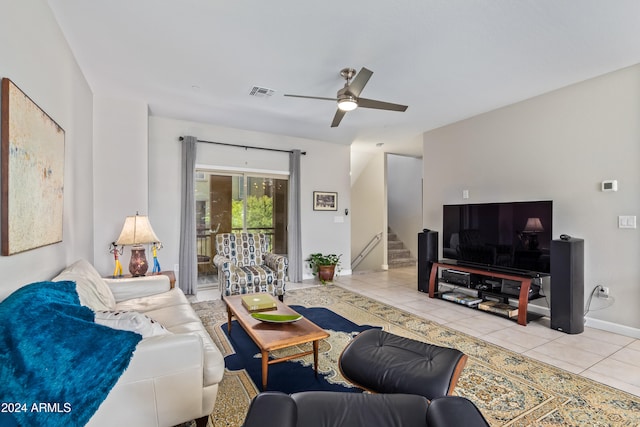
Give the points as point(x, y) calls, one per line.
point(169, 273)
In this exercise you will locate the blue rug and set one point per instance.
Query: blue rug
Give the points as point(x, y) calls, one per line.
point(297, 375)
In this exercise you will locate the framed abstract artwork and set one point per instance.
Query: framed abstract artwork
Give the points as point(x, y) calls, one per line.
point(31, 173)
point(325, 201)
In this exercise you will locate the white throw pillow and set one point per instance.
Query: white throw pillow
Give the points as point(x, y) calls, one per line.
point(130, 321)
point(92, 290)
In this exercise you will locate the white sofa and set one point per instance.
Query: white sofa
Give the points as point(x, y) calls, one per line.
point(175, 370)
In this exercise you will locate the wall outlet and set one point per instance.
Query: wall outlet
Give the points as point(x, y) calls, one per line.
point(603, 292)
point(176, 267)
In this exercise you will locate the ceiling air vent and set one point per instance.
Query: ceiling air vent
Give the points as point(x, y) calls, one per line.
point(261, 92)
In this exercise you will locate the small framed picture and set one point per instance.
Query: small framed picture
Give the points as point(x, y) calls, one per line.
point(325, 201)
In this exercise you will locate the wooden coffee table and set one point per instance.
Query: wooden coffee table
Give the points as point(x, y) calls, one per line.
point(273, 336)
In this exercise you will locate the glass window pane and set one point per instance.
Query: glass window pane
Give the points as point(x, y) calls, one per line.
point(237, 204)
point(260, 205)
point(228, 203)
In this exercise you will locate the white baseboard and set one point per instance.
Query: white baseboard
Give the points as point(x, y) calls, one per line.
point(603, 325)
point(344, 272)
point(542, 311)
point(616, 328)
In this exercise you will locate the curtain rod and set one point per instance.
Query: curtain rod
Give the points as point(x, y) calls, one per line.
point(304, 153)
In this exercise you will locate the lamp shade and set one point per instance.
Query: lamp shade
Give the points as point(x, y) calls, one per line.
point(533, 226)
point(136, 231)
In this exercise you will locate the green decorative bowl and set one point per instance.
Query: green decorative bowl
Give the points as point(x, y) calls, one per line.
point(276, 318)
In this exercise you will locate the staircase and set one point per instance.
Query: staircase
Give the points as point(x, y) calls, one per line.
point(397, 254)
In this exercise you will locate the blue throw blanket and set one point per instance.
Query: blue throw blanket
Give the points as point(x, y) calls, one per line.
point(56, 364)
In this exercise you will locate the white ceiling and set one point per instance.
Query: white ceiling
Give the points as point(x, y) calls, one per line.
point(447, 60)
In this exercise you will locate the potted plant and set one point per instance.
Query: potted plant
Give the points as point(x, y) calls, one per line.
point(324, 266)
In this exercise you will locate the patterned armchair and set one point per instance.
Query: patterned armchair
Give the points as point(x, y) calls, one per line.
point(245, 266)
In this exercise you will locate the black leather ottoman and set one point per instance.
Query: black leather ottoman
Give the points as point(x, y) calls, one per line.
point(336, 409)
point(386, 363)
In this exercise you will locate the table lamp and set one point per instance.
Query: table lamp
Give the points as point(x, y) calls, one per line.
point(533, 227)
point(136, 232)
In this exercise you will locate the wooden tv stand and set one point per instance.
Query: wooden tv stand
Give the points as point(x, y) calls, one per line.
point(523, 299)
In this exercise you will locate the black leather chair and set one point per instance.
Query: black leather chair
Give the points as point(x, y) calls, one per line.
point(338, 409)
point(382, 362)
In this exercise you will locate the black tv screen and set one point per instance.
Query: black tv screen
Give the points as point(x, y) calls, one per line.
point(508, 236)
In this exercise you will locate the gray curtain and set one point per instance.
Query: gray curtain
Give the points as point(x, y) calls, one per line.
point(294, 232)
point(188, 274)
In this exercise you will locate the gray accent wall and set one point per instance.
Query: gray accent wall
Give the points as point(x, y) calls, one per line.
point(558, 146)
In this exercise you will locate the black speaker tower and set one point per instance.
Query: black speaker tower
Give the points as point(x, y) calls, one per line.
point(567, 285)
point(427, 255)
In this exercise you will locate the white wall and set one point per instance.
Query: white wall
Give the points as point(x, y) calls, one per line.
point(121, 174)
point(36, 57)
point(369, 213)
point(557, 146)
point(324, 168)
point(404, 190)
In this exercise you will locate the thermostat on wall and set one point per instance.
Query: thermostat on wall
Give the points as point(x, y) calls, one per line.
point(610, 185)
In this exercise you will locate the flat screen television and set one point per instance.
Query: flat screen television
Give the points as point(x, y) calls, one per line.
point(513, 236)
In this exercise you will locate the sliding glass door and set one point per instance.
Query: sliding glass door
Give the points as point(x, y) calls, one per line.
point(236, 202)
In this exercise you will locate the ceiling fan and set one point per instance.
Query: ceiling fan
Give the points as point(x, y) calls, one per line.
point(349, 96)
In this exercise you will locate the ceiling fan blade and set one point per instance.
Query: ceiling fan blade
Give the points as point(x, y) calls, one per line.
point(359, 81)
point(312, 97)
point(338, 118)
point(380, 105)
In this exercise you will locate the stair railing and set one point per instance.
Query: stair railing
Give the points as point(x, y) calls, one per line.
point(372, 244)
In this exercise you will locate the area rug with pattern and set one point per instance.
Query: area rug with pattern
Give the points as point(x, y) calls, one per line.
point(510, 389)
point(295, 375)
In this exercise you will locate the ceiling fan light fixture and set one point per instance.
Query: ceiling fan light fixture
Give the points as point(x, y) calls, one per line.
point(348, 98)
point(347, 104)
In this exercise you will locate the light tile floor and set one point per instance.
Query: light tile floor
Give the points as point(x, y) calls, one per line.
point(602, 356)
